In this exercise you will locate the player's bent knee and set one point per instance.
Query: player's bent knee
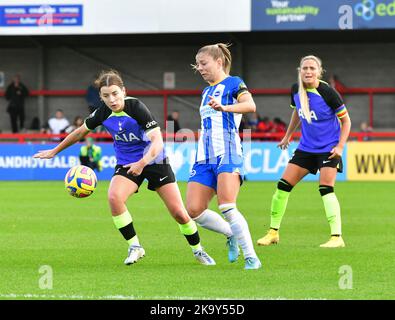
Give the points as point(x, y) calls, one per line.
point(195, 210)
point(180, 215)
point(114, 199)
point(182, 219)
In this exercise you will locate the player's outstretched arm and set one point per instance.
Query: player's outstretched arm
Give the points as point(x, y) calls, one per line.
point(72, 138)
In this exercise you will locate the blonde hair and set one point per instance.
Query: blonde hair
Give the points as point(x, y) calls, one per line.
point(304, 101)
point(218, 51)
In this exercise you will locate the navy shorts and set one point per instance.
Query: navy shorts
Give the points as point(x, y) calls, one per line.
point(315, 161)
point(157, 175)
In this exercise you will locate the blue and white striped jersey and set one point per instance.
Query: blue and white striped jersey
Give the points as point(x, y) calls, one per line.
point(220, 130)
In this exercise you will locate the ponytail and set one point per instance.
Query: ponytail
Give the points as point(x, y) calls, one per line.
point(226, 56)
point(218, 51)
point(304, 100)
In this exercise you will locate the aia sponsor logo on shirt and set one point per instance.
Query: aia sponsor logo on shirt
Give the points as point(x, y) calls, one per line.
point(124, 137)
point(312, 114)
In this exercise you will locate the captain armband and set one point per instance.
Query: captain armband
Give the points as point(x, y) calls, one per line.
point(341, 112)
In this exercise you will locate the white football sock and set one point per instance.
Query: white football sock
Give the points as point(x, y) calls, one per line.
point(211, 220)
point(239, 228)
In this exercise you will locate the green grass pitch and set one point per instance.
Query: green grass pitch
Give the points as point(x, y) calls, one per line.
point(40, 225)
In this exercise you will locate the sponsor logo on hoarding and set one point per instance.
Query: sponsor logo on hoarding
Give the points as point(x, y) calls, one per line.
point(286, 13)
point(322, 15)
point(41, 15)
point(368, 9)
point(365, 9)
point(375, 162)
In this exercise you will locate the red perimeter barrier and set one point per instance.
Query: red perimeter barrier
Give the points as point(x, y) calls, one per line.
point(166, 93)
point(179, 137)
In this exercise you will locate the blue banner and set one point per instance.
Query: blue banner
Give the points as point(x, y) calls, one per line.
point(17, 162)
point(322, 15)
point(41, 15)
point(263, 161)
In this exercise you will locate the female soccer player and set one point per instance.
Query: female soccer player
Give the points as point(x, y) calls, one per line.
point(219, 161)
point(325, 129)
point(140, 155)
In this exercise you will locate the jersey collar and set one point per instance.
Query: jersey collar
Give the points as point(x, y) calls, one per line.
point(215, 83)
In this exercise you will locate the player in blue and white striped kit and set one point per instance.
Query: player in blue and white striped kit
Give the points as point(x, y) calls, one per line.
point(219, 161)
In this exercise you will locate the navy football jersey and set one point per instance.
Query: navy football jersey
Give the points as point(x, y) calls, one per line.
point(326, 108)
point(128, 129)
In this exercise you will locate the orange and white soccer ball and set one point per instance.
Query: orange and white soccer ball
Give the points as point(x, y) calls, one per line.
point(80, 181)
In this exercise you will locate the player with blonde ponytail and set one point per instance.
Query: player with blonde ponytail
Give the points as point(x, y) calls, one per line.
point(218, 167)
point(325, 126)
point(304, 101)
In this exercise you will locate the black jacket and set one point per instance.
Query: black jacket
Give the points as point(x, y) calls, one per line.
point(16, 97)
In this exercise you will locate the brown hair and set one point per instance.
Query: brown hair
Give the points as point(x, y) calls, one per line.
point(218, 51)
point(108, 78)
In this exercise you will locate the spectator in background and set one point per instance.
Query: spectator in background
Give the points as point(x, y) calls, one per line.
point(16, 93)
point(335, 83)
point(279, 126)
point(365, 128)
point(90, 155)
point(175, 116)
point(78, 122)
point(265, 125)
point(35, 124)
point(92, 97)
point(57, 124)
point(253, 121)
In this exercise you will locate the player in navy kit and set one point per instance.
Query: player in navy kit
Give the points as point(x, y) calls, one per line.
point(219, 161)
point(140, 155)
point(325, 126)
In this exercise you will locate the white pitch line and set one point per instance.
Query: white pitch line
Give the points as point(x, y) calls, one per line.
point(122, 297)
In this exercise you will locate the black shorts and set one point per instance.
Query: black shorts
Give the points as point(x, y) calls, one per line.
point(157, 175)
point(315, 161)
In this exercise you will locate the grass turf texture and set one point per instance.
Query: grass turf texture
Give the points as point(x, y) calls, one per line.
point(40, 224)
